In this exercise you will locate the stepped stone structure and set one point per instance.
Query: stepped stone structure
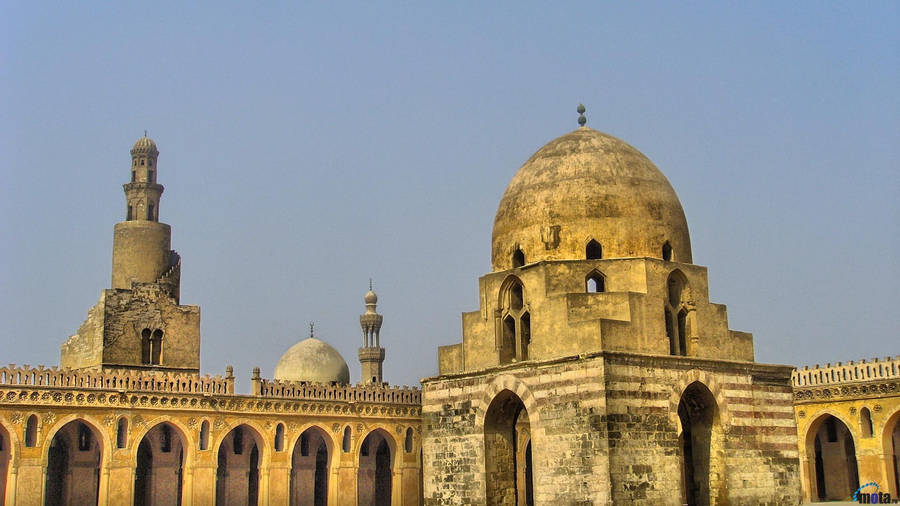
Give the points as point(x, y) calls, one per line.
point(595, 371)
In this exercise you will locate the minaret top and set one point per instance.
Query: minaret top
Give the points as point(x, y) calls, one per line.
point(582, 119)
point(371, 299)
point(144, 146)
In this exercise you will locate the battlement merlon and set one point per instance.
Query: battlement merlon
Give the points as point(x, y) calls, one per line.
point(852, 372)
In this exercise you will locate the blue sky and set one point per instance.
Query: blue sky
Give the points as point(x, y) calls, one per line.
point(308, 147)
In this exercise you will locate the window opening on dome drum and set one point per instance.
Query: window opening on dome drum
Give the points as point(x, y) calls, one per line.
point(667, 252)
point(593, 251)
point(518, 258)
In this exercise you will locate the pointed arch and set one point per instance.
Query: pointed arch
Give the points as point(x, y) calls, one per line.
point(160, 464)
point(377, 460)
point(76, 453)
point(831, 458)
point(593, 250)
point(507, 450)
point(701, 445)
point(518, 258)
point(595, 282)
point(890, 438)
point(312, 463)
point(240, 457)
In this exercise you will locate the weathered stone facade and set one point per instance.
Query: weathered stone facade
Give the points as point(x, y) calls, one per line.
point(848, 425)
point(38, 406)
point(597, 370)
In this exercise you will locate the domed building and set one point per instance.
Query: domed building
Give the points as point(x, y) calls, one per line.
point(312, 361)
point(596, 370)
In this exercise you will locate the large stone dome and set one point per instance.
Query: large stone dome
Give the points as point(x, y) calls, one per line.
point(583, 186)
point(313, 361)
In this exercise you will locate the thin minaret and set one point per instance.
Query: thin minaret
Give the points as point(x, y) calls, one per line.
point(371, 354)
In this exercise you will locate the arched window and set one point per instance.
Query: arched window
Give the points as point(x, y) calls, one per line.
point(865, 423)
point(408, 442)
point(514, 326)
point(145, 346)
point(345, 444)
point(204, 435)
point(279, 437)
point(156, 347)
point(595, 282)
point(593, 251)
point(518, 258)
point(31, 431)
point(667, 251)
point(677, 313)
point(122, 433)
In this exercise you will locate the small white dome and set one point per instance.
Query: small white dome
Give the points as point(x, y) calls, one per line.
point(313, 361)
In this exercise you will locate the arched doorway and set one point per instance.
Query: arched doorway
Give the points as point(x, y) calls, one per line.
point(237, 473)
point(73, 466)
point(701, 446)
point(160, 467)
point(5, 458)
point(376, 463)
point(832, 458)
point(891, 441)
point(310, 464)
point(507, 450)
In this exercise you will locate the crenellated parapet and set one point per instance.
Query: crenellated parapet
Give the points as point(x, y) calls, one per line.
point(344, 393)
point(850, 372)
point(124, 380)
point(853, 379)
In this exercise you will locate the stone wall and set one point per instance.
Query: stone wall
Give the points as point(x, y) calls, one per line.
point(144, 400)
point(605, 430)
point(863, 397)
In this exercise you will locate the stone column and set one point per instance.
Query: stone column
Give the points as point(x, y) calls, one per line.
point(203, 486)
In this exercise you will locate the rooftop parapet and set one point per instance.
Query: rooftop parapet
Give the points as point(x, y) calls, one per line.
point(126, 380)
point(852, 372)
point(345, 393)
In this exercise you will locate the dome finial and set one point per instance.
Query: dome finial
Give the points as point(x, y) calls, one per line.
point(145, 132)
point(311, 327)
point(370, 284)
point(581, 118)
